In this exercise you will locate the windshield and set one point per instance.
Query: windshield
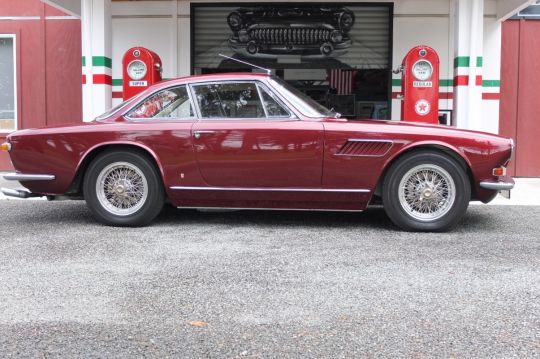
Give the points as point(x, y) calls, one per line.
point(114, 109)
point(301, 101)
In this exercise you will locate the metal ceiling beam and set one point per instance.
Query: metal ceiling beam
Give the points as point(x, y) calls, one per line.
point(72, 7)
point(508, 8)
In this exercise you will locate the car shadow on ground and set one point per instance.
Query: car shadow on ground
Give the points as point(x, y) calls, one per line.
point(373, 217)
point(477, 218)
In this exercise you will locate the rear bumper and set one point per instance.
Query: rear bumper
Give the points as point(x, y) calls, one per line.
point(19, 193)
point(28, 177)
point(503, 184)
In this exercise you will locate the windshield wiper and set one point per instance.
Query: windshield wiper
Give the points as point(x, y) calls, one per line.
point(334, 113)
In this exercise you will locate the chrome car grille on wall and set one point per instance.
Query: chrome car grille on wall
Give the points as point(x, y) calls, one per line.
point(269, 31)
point(300, 36)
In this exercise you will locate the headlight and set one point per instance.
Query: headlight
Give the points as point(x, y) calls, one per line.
point(346, 21)
point(136, 69)
point(243, 36)
point(6, 146)
point(336, 36)
point(422, 70)
point(235, 21)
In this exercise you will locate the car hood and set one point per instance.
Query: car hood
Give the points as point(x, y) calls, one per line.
point(421, 129)
point(66, 128)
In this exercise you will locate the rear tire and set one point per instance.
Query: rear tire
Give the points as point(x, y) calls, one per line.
point(123, 188)
point(426, 191)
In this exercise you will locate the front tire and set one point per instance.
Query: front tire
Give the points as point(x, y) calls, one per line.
point(426, 191)
point(123, 188)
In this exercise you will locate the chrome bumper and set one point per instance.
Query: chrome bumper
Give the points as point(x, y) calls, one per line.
point(18, 193)
point(505, 185)
point(27, 177)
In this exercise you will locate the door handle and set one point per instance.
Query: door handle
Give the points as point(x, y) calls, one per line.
point(197, 134)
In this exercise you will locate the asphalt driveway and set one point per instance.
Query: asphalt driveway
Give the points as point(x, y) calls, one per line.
point(267, 285)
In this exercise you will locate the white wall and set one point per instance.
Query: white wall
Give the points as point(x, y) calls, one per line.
point(164, 27)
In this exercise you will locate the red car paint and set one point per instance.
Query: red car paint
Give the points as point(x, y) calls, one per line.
point(305, 156)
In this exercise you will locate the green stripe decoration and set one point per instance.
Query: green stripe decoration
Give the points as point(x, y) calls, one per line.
point(119, 82)
point(84, 61)
point(450, 83)
point(479, 61)
point(465, 61)
point(491, 83)
point(446, 83)
point(442, 82)
point(102, 61)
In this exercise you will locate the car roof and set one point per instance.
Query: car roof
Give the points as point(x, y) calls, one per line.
point(216, 77)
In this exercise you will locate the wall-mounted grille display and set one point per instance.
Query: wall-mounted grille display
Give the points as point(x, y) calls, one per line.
point(314, 47)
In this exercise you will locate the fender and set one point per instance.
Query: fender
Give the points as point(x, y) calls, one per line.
point(120, 143)
point(426, 143)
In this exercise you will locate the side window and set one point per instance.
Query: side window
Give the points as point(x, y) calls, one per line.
point(273, 107)
point(229, 100)
point(170, 103)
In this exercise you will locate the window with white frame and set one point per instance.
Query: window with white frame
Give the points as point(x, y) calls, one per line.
point(8, 80)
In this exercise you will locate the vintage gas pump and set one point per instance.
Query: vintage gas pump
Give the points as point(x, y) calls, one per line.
point(420, 85)
point(140, 68)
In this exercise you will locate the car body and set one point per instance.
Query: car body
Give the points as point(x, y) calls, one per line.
point(272, 31)
point(251, 141)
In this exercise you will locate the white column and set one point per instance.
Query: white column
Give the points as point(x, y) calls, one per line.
point(97, 51)
point(468, 62)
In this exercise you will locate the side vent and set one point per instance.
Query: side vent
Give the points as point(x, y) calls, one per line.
point(369, 148)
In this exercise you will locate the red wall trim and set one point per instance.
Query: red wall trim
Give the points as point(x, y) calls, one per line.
point(102, 79)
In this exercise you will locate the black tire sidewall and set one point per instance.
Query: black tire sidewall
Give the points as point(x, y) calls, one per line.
point(154, 201)
point(397, 213)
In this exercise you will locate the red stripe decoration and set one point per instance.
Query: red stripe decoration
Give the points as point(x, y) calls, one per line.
point(491, 96)
point(479, 80)
point(83, 79)
point(442, 95)
point(342, 81)
point(102, 79)
point(450, 95)
point(117, 94)
point(462, 80)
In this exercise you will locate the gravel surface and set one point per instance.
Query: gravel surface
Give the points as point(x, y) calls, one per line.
point(267, 285)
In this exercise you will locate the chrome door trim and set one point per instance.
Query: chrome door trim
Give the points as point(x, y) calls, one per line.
point(271, 189)
point(274, 209)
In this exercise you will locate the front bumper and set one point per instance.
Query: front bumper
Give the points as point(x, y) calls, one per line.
point(502, 184)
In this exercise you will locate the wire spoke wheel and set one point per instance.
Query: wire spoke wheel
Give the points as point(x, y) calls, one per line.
point(427, 192)
point(121, 188)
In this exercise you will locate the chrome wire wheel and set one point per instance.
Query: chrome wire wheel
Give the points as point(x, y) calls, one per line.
point(121, 188)
point(427, 192)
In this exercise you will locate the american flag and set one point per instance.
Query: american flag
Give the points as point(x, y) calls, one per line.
point(342, 80)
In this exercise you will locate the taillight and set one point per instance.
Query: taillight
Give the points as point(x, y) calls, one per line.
point(499, 171)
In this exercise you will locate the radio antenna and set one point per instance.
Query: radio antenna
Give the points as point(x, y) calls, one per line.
point(268, 71)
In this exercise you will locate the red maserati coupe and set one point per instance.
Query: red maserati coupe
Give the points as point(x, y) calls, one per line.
point(251, 141)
